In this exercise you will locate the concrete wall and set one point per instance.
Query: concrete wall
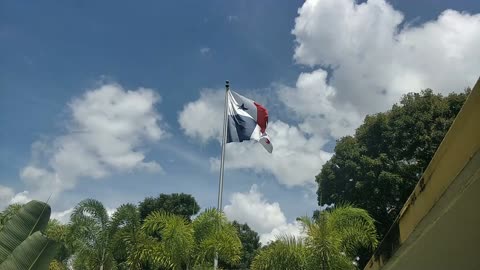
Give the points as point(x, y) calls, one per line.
point(459, 146)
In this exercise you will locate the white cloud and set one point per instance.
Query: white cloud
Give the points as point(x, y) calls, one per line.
point(21, 197)
point(314, 101)
point(6, 194)
point(295, 160)
point(110, 211)
point(252, 208)
point(293, 229)
point(296, 157)
point(63, 216)
point(202, 119)
point(265, 218)
point(106, 132)
point(375, 61)
point(204, 50)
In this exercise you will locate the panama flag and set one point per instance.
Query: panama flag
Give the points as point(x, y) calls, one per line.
point(247, 120)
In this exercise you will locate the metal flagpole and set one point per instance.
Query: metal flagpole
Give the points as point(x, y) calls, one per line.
point(222, 160)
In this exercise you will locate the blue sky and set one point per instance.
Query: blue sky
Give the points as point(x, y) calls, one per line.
point(52, 53)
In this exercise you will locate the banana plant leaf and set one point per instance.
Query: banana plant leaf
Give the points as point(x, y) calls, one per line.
point(32, 217)
point(35, 253)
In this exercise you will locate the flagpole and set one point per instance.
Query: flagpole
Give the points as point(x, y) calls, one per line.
point(224, 142)
point(222, 160)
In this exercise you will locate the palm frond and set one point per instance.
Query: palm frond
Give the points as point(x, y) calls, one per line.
point(354, 226)
point(287, 252)
point(90, 209)
point(177, 240)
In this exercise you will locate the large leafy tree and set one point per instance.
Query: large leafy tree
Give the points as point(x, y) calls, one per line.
point(177, 203)
point(332, 242)
point(378, 167)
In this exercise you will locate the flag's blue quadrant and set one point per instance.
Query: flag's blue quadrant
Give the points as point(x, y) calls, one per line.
point(247, 120)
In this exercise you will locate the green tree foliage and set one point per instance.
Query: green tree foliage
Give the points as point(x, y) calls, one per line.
point(60, 233)
point(8, 213)
point(56, 265)
point(177, 203)
point(124, 230)
point(332, 242)
point(378, 167)
point(103, 243)
point(214, 233)
point(90, 232)
point(183, 244)
point(250, 244)
point(175, 249)
point(287, 252)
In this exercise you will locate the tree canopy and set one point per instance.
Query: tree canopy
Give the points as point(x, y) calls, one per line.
point(177, 203)
point(378, 167)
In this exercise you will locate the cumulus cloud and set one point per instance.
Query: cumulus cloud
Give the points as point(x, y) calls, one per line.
point(202, 119)
point(363, 58)
point(292, 229)
point(265, 218)
point(106, 132)
point(375, 60)
point(294, 161)
point(62, 216)
point(252, 208)
point(21, 197)
point(6, 194)
point(313, 100)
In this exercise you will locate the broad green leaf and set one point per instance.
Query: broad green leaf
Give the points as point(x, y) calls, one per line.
point(36, 252)
point(32, 217)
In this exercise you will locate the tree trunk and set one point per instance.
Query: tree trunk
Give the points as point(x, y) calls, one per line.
point(103, 259)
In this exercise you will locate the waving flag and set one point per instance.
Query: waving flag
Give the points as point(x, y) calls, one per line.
point(247, 120)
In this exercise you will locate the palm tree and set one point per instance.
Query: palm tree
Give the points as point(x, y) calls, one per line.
point(287, 252)
point(172, 242)
point(175, 248)
point(332, 242)
point(215, 234)
point(91, 234)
